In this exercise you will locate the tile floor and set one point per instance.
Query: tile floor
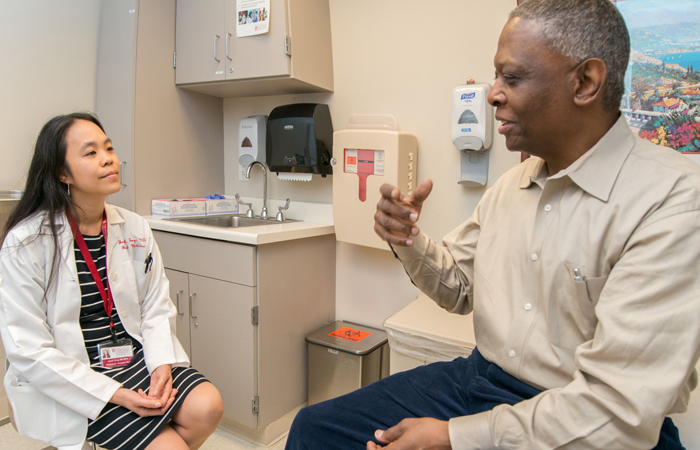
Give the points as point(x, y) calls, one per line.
point(221, 440)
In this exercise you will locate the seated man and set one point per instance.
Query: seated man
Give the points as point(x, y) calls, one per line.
point(580, 266)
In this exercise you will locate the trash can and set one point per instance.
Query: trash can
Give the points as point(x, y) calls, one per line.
point(423, 333)
point(345, 356)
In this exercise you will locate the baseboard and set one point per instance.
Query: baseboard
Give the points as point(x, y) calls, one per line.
point(266, 437)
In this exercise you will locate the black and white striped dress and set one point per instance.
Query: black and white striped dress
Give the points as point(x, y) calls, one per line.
point(117, 427)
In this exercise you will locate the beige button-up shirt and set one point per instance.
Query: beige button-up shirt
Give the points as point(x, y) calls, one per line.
point(584, 284)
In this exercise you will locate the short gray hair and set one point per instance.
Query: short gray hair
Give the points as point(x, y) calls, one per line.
point(582, 29)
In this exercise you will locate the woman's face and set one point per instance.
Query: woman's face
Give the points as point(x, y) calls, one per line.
point(93, 166)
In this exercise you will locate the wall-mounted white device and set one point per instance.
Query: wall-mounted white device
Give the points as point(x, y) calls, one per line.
point(369, 153)
point(251, 143)
point(472, 131)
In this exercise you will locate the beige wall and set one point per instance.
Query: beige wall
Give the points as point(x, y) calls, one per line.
point(400, 57)
point(49, 56)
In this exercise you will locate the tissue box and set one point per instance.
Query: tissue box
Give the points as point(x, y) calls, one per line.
point(178, 207)
point(221, 206)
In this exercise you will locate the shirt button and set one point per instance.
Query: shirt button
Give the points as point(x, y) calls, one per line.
point(548, 208)
point(511, 353)
point(114, 276)
point(528, 306)
point(533, 256)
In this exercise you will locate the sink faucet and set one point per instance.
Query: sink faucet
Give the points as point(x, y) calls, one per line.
point(263, 214)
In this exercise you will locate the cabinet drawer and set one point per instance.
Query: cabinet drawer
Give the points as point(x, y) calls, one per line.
point(208, 257)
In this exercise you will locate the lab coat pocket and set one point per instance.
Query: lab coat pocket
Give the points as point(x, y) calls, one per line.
point(572, 319)
point(34, 412)
point(142, 279)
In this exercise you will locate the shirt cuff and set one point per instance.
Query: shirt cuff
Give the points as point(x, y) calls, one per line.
point(471, 432)
point(416, 251)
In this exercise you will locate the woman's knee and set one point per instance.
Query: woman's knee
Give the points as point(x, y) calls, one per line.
point(203, 406)
point(210, 404)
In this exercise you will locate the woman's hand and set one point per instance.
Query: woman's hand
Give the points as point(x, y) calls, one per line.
point(140, 403)
point(161, 383)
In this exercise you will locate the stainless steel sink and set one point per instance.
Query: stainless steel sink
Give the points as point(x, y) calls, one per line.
point(228, 221)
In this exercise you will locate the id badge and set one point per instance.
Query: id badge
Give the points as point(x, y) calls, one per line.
point(115, 354)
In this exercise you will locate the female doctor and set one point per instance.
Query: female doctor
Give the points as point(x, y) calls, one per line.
point(85, 314)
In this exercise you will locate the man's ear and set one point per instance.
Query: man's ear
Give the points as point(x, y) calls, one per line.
point(590, 78)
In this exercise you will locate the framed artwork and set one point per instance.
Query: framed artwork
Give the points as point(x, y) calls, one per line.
point(662, 89)
point(662, 83)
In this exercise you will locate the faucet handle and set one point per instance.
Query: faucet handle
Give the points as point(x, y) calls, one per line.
point(248, 213)
point(280, 217)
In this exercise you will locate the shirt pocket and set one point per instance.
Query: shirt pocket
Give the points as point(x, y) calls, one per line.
point(34, 412)
point(571, 319)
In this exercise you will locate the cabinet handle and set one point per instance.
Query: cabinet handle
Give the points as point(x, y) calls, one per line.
point(228, 36)
point(121, 171)
point(216, 39)
point(177, 297)
point(191, 309)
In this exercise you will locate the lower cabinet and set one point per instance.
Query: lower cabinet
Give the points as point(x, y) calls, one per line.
point(243, 314)
point(215, 328)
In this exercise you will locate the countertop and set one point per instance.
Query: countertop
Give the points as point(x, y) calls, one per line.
point(314, 221)
point(256, 235)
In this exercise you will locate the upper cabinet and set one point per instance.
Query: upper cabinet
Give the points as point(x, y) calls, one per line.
point(293, 56)
point(169, 141)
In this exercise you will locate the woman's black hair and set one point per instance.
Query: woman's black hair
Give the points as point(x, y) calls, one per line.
point(44, 191)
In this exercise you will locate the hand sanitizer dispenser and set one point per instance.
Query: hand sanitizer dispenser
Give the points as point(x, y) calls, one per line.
point(251, 143)
point(472, 131)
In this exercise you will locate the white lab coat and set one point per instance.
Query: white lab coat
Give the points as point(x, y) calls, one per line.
point(51, 388)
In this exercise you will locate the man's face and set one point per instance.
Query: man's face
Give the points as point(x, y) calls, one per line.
point(532, 91)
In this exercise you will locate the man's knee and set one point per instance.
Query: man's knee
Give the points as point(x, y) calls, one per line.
point(301, 428)
point(304, 417)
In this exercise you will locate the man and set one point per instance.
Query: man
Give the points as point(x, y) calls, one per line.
point(580, 266)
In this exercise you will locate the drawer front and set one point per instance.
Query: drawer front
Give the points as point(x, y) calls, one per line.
point(208, 257)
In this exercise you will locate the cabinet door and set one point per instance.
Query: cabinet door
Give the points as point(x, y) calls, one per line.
point(261, 55)
point(199, 41)
point(179, 294)
point(223, 343)
point(114, 90)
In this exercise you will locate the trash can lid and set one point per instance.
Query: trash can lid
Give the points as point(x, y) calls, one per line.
point(348, 337)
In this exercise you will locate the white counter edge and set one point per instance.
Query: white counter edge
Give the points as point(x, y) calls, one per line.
point(256, 235)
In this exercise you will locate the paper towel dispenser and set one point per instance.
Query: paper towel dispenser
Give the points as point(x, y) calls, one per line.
point(300, 139)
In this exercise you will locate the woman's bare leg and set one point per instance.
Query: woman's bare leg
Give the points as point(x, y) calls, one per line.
point(199, 415)
point(168, 439)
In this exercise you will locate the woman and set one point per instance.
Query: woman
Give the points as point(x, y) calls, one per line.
point(78, 276)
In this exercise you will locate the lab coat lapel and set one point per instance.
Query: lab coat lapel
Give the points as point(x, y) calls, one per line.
point(67, 250)
point(65, 287)
point(116, 254)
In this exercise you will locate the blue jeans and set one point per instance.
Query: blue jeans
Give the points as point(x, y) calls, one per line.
point(439, 390)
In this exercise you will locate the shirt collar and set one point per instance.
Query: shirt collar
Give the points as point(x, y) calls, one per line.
point(596, 170)
point(536, 173)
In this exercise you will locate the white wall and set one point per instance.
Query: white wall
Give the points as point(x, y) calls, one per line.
point(400, 57)
point(48, 50)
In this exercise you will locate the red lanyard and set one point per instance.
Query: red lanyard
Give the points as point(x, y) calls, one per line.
point(107, 299)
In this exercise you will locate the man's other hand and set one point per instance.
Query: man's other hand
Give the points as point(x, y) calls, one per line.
point(414, 434)
point(397, 214)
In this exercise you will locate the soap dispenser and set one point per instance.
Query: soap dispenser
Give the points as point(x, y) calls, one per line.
point(252, 133)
